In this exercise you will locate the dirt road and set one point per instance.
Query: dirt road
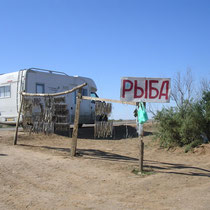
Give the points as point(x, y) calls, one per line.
point(39, 174)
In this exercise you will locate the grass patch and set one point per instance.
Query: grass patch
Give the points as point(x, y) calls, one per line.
point(192, 145)
point(145, 172)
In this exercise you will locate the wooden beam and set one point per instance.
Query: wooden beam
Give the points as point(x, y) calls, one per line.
point(18, 121)
point(54, 94)
point(76, 122)
point(109, 100)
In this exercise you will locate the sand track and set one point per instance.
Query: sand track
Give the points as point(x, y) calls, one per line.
point(38, 173)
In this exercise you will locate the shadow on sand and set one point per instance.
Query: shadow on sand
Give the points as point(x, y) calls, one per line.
point(3, 155)
point(119, 132)
point(156, 166)
point(164, 167)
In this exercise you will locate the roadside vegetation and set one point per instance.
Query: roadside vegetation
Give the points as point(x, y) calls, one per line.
point(188, 123)
point(5, 126)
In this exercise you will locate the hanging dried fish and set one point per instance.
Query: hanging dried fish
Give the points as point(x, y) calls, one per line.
point(103, 129)
point(45, 114)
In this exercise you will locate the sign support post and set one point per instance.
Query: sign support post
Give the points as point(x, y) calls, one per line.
point(141, 154)
point(141, 145)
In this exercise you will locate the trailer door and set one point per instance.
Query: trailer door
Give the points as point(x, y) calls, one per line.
point(85, 107)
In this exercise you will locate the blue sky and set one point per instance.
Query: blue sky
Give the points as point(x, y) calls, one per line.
point(107, 39)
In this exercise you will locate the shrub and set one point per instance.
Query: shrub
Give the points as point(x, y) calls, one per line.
point(184, 125)
point(205, 104)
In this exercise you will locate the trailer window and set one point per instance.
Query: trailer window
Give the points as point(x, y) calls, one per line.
point(40, 88)
point(84, 92)
point(93, 94)
point(5, 91)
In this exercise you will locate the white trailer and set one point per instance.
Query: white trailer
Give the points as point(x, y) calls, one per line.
point(36, 80)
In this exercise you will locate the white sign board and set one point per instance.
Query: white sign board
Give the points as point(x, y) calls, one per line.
point(136, 89)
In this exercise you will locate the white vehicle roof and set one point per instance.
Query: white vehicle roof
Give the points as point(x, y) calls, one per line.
point(13, 77)
point(8, 78)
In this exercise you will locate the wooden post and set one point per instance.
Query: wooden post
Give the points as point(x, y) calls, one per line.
point(141, 155)
point(18, 120)
point(76, 122)
point(141, 146)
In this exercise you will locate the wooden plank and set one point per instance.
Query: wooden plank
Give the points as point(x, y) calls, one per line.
point(76, 122)
point(18, 121)
point(106, 99)
point(54, 94)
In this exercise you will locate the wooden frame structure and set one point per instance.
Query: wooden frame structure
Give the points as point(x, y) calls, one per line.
point(75, 130)
point(76, 120)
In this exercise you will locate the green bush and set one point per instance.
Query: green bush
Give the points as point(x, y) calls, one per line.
point(185, 125)
point(192, 145)
point(205, 105)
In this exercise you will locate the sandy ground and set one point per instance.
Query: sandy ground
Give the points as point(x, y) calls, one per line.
point(38, 173)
